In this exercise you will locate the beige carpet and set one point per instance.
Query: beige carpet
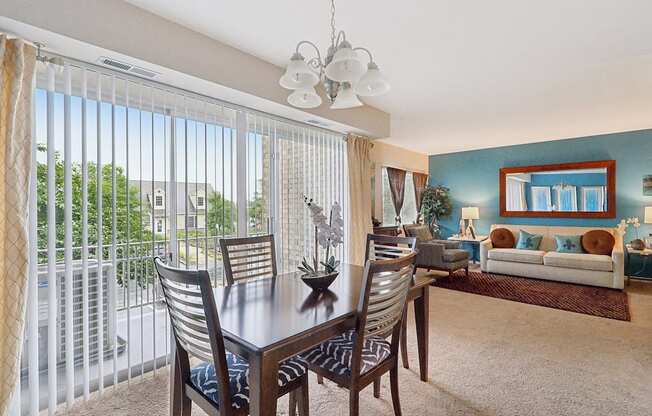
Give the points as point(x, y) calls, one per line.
point(487, 357)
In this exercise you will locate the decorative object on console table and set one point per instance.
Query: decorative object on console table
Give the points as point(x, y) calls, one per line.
point(637, 243)
point(473, 243)
point(327, 234)
point(470, 214)
point(647, 185)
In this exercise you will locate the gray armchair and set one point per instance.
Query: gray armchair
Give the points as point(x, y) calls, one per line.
point(434, 254)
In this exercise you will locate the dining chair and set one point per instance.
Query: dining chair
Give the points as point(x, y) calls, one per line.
point(219, 383)
point(362, 355)
point(381, 247)
point(248, 258)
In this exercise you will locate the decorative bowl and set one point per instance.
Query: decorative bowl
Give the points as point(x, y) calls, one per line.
point(638, 244)
point(321, 281)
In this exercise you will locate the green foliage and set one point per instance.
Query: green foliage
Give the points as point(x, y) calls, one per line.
point(128, 226)
point(436, 203)
point(220, 212)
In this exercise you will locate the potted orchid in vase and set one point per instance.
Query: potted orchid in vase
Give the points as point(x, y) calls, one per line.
point(329, 234)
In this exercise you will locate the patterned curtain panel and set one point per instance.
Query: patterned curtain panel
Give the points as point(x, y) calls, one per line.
point(17, 62)
point(359, 165)
point(420, 181)
point(397, 188)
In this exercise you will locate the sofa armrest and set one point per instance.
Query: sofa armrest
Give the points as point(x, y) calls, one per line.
point(430, 254)
point(618, 258)
point(485, 246)
point(448, 244)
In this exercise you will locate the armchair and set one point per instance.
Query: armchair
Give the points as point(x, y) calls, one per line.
point(435, 254)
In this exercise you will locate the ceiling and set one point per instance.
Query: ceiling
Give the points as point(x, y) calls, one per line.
point(466, 75)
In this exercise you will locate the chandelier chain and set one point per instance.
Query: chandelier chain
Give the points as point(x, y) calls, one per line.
point(333, 23)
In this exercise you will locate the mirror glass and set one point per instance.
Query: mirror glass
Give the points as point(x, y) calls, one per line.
point(576, 190)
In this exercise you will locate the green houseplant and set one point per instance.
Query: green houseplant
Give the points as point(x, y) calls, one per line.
point(436, 204)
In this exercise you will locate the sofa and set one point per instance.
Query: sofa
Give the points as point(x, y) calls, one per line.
point(546, 263)
point(433, 254)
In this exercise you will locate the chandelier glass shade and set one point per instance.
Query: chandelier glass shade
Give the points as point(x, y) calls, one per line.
point(342, 73)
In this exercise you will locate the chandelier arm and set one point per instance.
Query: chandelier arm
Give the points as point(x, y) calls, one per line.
point(318, 58)
point(343, 35)
point(371, 58)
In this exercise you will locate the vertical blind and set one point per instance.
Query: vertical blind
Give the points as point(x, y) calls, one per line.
point(125, 170)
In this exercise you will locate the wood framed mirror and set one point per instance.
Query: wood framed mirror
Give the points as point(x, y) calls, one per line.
point(565, 190)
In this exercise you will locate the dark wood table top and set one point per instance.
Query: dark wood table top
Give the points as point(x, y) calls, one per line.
point(261, 314)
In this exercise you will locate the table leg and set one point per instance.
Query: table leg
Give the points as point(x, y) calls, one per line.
point(263, 385)
point(421, 313)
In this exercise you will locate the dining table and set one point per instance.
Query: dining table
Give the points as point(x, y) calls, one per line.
point(269, 320)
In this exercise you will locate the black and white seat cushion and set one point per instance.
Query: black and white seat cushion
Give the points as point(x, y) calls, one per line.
point(335, 355)
point(203, 377)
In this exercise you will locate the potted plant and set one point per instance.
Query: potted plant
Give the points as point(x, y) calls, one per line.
point(436, 204)
point(329, 233)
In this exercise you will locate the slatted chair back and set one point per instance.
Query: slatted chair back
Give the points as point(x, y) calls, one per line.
point(386, 284)
point(195, 323)
point(248, 258)
point(385, 247)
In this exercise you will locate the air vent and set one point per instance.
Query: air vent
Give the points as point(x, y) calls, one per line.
point(316, 123)
point(125, 67)
point(115, 64)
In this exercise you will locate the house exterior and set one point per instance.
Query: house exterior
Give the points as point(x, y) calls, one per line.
point(191, 204)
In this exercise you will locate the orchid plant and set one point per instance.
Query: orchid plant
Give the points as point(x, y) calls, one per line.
point(329, 233)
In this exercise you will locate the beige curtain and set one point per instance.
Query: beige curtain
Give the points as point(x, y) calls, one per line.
point(359, 165)
point(420, 181)
point(17, 62)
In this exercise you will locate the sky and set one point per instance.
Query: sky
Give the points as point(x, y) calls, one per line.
point(205, 151)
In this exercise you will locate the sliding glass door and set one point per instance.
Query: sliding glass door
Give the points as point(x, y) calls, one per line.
point(127, 170)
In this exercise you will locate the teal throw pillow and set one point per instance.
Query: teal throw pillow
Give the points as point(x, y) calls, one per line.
point(569, 243)
point(528, 241)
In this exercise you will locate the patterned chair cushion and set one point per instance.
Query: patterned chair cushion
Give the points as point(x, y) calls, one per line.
point(335, 355)
point(204, 378)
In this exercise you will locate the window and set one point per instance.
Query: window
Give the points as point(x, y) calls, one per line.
point(566, 198)
point(104, 128)
point(409, 209)
point(541, 200)
point(594, 199)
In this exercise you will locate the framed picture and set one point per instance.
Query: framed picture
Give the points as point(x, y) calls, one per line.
point(647, 185)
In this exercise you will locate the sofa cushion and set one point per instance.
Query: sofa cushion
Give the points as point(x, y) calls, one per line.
point(598, 242)
point(517, 255)
point(528, 241)
point(453, 255)
point(568, 243)
point(502, 238)
point(596, 262)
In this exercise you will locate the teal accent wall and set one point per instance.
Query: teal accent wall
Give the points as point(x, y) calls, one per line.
point(473, 177)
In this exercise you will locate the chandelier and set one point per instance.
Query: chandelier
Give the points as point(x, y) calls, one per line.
point(342, 73)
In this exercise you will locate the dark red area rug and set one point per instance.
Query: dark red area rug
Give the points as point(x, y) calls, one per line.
point(589, 300)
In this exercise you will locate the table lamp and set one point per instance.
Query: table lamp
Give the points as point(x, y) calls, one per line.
point(470, 213)
point(647, 219)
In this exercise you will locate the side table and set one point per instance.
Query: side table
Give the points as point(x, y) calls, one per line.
point(638, 263)
point(472, 245)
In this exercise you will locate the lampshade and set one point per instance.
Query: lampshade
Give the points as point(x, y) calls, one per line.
point(346, 98)
point(305, 98)
point(470, 213)
point(346, 65)
point(648, 215)
point(372, 83)
point(298, 75)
